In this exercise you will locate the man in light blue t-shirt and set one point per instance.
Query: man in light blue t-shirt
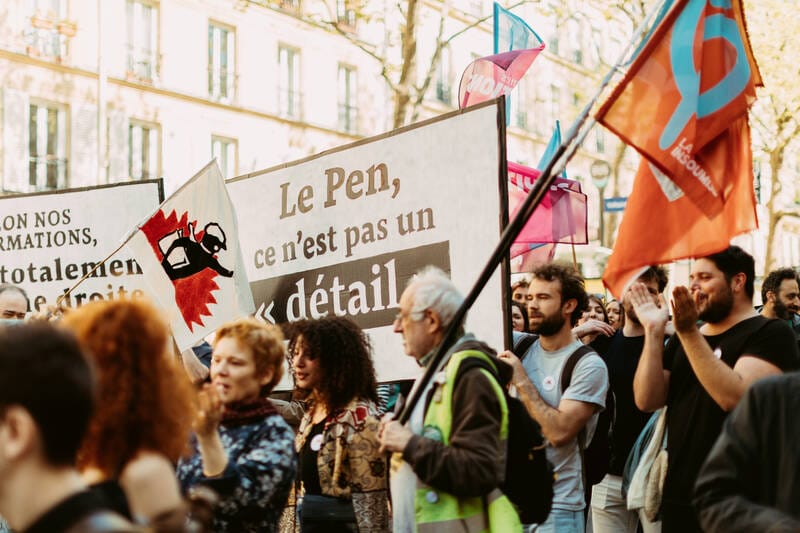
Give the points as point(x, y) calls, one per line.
point(556, 300)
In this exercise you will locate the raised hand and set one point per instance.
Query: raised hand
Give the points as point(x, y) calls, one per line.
point(209, 411)
point(651, 314)
point(683, 310)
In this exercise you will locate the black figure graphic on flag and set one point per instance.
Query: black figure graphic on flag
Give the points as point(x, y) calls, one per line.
point(185, 256)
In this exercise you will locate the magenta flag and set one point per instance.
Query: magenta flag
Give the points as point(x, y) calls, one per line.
point(560, 218)
point(488, 77)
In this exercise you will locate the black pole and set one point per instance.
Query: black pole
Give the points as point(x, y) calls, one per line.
point(532, 201)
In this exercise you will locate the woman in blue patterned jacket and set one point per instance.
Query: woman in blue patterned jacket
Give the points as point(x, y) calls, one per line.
point(242, 446)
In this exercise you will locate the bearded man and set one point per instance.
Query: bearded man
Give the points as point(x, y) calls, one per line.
point(703, 371)
point(557, 298)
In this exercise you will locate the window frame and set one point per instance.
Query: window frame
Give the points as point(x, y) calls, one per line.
point(38, 160)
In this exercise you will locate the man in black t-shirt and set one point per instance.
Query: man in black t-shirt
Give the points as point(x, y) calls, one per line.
point(609, 511)
point(703, 372)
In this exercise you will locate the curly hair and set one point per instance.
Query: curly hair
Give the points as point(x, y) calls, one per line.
point(572, 285)
point(145, 401)
point(344, 355)
point(265, 342)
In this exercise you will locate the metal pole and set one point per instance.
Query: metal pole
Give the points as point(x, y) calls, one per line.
point(602, 217)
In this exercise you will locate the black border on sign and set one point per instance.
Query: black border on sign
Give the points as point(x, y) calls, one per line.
point(158, 181)
point(379, 137)
point(505, 265)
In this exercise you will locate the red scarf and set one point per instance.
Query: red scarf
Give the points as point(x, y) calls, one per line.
point(241, 413)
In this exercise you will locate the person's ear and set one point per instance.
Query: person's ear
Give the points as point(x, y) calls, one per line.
point(771, 297)
point(266, 379)
point(569, 306)
point(18, 433)
point(433, 322)
point(738, 281)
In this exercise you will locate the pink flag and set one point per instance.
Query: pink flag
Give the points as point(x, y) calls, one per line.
point(535, 254)
point(488, 77)
point(190, 257)
point(560, 218)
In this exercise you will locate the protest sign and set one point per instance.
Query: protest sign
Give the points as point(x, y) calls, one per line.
point(50, 240)
point(342, 232)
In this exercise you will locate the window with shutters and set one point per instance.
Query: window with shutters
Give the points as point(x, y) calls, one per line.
point(47, 147)
point(48, 30)
point(224, 149)
point(142, 44)
point(346, 14)
point(289, 96)
point(221, 62)
point(144, 150)
point(348, 113)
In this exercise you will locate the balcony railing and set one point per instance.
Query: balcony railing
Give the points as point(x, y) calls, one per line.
point(47, 172)
point(348, 118)
point(221, 84)
point(290, 103)
point(142, 64)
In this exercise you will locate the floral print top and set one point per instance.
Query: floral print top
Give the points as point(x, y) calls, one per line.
point(350, 465)
point(255, 484)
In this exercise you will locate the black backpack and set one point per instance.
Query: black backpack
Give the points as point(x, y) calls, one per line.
point(595, 455)
point(529, 475)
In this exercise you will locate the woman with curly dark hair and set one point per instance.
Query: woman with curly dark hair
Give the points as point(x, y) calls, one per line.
point(342, 483)
point(144, 410)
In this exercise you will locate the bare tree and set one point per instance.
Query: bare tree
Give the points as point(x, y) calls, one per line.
point(774, 116)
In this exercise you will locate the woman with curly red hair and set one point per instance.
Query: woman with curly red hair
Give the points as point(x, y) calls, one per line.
point(144, 409)
point(242, 446)
point(343, 475)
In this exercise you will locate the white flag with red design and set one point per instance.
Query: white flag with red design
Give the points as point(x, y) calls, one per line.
point(189, 254)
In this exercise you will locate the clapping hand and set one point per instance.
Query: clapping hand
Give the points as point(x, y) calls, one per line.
point(652, 315)
point(684, 310)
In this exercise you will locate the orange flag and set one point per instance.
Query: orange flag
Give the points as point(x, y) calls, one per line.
point(683, 105)
point(662, 224)
point(694, 77)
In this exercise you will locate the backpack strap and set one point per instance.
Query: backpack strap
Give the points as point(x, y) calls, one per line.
point(523, 344)
point(566, 378)
point(572, 362)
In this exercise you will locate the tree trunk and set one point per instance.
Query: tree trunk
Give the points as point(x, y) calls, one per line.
point(775, 165)
point(409, 54)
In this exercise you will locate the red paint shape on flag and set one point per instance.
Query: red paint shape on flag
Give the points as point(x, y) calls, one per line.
point(193, 294)
point(657, 208)
point(676, 98)
point(488, 77)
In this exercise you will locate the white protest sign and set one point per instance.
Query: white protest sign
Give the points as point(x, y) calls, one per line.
point(48, 241)
point(342, 232)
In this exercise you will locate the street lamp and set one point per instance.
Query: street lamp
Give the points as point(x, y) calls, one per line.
point(600, 171)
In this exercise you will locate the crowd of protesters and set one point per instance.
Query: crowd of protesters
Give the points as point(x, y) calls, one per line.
point(657, 416)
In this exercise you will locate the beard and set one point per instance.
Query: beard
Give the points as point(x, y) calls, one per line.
point(718, 308)
point(781, 310)
point(550, 325)
point(630, 312)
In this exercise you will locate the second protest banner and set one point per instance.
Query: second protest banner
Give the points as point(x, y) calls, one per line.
point(342, 232)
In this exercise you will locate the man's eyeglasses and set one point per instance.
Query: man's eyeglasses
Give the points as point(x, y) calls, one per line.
point(401, 315)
